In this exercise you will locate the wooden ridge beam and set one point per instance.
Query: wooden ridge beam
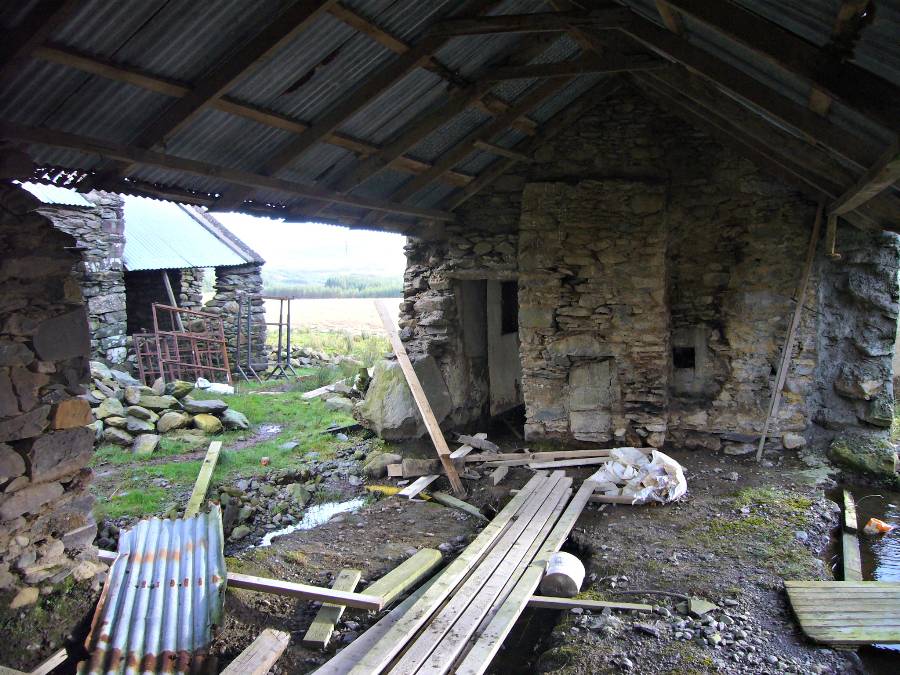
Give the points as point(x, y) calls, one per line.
point(607, 64)
point(881, 176)
point(540, 22)
point(234, 176)
point(859, 151)
point(368, 91)
point(233, 69)
point(44, 18)
point(69, 57)
point(872, 96)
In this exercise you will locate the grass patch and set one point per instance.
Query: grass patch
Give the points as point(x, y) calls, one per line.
point(135, 500)
point(365, 347)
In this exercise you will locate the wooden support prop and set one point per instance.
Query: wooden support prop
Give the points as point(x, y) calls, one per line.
point(406, 575)
point(420, 484)
point(261, 655)
point(249, 582)
point(851, 556)
point(329, 614)
point(547, 602)
point(792, 329)
point(203, 478)
point(561, 463)
point(458, 504)
point(434, 429)
point(479, 657)
point(419, 612)
point(171, 295)
point(498, 474)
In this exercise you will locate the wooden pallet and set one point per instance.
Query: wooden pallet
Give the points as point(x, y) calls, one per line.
point(847, 613)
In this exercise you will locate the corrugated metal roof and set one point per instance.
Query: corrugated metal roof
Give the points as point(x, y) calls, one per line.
point(162, 599)
point(165, 235)
point(53, 194)
point(185, 39)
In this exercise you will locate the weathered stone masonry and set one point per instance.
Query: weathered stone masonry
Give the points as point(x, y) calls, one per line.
point(656, 271)
point(46, 526)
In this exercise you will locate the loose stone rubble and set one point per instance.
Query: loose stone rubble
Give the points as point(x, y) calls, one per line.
point(130, 414)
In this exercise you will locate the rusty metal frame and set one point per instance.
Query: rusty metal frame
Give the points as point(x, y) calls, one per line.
point(192, 353)
point(147, 356)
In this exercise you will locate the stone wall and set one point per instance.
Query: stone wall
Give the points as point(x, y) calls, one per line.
point(99, 233)
point(190, 288)
point(46, 526)
point(656, 272)
point(231, 282)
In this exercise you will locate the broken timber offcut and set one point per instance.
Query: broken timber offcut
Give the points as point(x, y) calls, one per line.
point(460, 618)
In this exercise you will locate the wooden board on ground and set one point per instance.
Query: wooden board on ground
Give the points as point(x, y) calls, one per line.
point(847, 612)
point(329, 614)
point(406, 575)
point(305, 591)
point(562, 463)
point(498, 474)
point(203, 478)
point(458, 504)
point(548, 602)
point(431, 424)
point(850, 553)
point(612, 499)
point(261, 655)
point(464, 450)
point(537, 456)
point(416, 487)
point(850, 519)
point(479, 441)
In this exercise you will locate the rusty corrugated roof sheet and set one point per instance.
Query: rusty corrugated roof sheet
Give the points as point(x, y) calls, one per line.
point(162, 600)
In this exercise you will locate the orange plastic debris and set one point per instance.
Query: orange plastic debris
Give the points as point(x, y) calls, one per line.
point(875, 526)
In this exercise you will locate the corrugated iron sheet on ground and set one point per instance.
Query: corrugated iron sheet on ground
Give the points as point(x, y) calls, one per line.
point(162, 599)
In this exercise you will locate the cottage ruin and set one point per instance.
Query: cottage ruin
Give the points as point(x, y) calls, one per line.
point(608, 204)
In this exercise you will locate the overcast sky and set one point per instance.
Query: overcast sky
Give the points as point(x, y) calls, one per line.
point(316, 247)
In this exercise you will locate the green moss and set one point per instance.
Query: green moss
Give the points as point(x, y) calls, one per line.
point(687, 657)
point(557, 658)
point(867, 454)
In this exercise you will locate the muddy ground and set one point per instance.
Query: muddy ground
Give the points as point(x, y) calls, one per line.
point(740, 532)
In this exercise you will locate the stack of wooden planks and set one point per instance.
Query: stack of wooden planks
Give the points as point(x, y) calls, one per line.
point(457, 622)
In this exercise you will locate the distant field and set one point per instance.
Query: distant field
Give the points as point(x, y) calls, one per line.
point(354, 315)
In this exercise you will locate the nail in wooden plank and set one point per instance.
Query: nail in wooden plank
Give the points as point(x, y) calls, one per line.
point(406, 575)
point(420, 484)
point(203, 479)
point(329, 614)
point(431, 423)
point(261, 655)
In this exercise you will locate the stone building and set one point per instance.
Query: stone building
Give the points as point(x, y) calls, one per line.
point(127, 244)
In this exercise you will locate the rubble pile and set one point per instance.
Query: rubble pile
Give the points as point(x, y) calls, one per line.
point(130, 414)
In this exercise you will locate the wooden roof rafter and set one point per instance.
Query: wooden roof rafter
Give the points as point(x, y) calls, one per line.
point(364, 95)
point(40, 22)
point(103, 68)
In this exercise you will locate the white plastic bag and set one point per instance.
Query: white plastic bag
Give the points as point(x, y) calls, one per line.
point(644, 474)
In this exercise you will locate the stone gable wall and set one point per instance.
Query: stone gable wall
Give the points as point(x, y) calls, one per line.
point(632, 200)
point(46, 526)
point(100, 234)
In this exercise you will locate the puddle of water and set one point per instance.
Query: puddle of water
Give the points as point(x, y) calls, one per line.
point(268, 429)
point(316, 515)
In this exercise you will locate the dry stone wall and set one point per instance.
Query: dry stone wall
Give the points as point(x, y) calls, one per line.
point(232, 283)
point(46, 526)
point(656, 273)
point(99, 233)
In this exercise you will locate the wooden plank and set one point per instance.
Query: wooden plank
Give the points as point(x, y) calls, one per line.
point(551, 455)
point(418, 613)
point(479, 441)
point(203, 478)
point(416, 487)
point(319, 632)
point(612, 499)
point(882, 175)
point(850, 519)
point(434, 648)
point(406, 575)
point(548, 602)
point(431, 424)
point(787, 349)
point(498, 474)
point(235, 176)
point(539, 22)
point(261, 655)
point(851, 557)
point(810, 586)
point(503, 152)
point(479, 657)
point(458, 504)
point(294, 590)
point(583, 461)
point(52, 662)
point(612, 63)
